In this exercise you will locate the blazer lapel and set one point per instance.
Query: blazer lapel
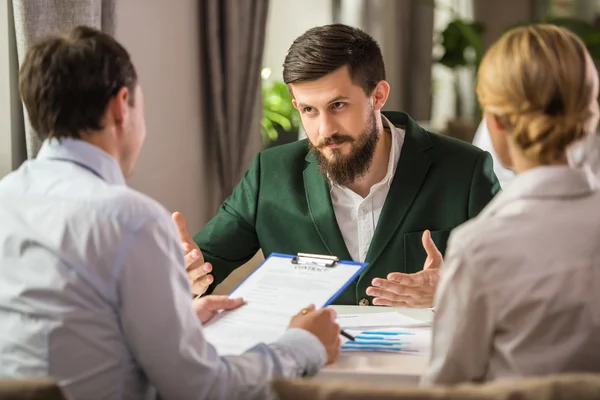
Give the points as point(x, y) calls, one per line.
point(412, 168)
point(321, 210)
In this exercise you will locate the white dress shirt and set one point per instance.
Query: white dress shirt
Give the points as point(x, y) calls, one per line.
point(483, 140)
point(356, 216)
point(519, 293)
point(93, 291)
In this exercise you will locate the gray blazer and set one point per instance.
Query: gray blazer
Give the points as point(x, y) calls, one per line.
point(520, 289)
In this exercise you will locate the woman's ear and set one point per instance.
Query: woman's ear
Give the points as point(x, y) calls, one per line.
point(499, 133)
point(498, 123)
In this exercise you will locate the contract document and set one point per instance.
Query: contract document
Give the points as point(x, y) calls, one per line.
point(275, 292)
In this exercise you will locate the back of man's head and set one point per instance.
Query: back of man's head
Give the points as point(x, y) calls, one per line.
point(67, 80)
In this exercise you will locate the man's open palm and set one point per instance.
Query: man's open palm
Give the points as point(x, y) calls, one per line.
point(410, 290)
point(198, 271)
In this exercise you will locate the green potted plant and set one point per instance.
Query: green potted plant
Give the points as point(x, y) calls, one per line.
point(462, 46)
point(280, 121)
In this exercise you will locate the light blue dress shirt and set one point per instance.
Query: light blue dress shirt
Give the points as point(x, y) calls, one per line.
point(93, 291)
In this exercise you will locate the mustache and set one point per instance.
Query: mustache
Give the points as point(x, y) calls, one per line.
point(335, 139)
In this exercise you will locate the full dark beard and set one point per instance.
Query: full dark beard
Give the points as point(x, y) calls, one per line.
point(345, 170)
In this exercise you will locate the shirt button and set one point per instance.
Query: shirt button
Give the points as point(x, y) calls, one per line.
point(363, 302)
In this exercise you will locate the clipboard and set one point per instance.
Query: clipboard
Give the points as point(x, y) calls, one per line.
point(276, 291)
point(309, 259)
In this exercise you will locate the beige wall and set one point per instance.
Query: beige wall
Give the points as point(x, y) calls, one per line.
point(286, 21)
point(163, 39)
point(498, 16)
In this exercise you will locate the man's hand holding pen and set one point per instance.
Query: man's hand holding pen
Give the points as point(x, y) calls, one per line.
point(320, 323)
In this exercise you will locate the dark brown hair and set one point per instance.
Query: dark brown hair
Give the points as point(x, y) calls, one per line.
point(67, 80)
point(324, 49)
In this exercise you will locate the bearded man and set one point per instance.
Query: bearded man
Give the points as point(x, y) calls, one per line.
point(366, 185)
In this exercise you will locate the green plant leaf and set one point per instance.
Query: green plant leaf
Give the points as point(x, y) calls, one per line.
point(280, 119)
point(472, 34)
point(457, 38)
point(277, 110)
point(269, 131)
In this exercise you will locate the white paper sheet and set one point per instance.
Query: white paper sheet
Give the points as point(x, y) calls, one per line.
point(383, 319)
point(274, 293)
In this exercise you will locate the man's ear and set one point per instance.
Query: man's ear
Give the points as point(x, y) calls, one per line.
point(295, 104)
point(380, 94)
point(118, 106)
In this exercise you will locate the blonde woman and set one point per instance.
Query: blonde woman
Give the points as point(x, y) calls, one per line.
point(520, 289)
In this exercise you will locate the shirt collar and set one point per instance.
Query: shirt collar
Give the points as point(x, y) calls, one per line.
point(392, 161)
point(85, 155)
point(394, 151)
point(553, 181)
point(550, 181)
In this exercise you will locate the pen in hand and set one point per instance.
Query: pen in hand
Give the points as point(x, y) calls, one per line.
point(347, 335)
point(342, 332)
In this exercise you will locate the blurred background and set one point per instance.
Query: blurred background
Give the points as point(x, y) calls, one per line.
point(211, 72)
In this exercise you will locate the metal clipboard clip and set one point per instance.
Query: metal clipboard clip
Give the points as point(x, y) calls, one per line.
point(315, 259)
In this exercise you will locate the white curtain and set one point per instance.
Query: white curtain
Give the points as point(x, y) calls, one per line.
point(36, 18)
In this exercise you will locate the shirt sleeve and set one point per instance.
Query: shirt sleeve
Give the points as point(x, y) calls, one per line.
point(462, 327)
point(165, 336)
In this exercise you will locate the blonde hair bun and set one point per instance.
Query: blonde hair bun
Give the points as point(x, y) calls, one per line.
point(541, 80)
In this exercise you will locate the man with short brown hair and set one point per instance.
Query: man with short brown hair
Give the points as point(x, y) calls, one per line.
point(93, 292)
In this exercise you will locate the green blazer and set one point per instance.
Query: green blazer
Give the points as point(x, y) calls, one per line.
point(283, 205)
